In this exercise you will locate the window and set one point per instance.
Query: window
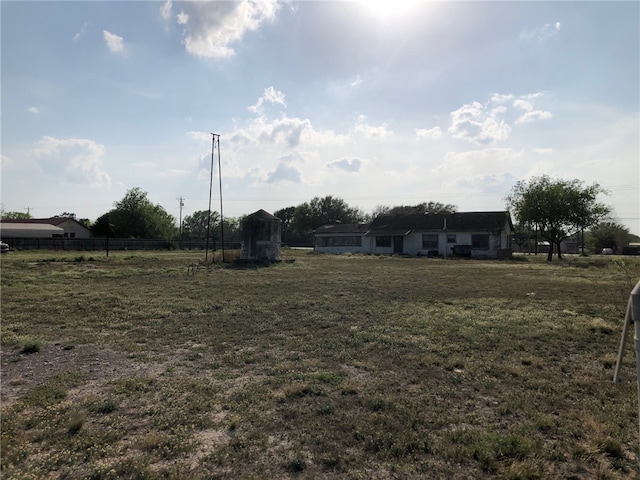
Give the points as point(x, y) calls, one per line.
point(342, 241)
point(480, 241)
point(451, 238)
point(429, 241)
point(383, 241)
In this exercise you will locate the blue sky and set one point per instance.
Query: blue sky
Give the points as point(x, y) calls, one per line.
point(376, 102)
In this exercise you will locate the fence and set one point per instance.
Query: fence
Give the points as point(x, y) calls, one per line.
point(97, 244)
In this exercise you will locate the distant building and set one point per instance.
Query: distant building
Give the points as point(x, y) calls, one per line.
point(468, 234)
point(41, 228)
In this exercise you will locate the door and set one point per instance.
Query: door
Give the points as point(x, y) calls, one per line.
point(398, 244)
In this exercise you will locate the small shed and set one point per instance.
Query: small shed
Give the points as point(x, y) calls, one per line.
point(261, 237)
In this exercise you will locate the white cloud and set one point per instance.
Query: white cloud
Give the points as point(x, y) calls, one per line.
point(76, 159)
point(485, 124)
point(545, 32)
point(533, 116)
point(165, 10)
point(5, 161)
point(182, 18)
point(284, 173)
point(543, 151)
point(501, 98)
point(115, 43)
point(474, 124)
point(211, 28)
point(287, 130)
point(356, 82)
point(431, 133)
point(271, 95)
point(347, 164)
point(77, 36)
point(33, 110)
point(370, 131)
point(530, 114)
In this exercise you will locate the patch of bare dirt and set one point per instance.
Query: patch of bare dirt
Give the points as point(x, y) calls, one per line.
point(21, 372)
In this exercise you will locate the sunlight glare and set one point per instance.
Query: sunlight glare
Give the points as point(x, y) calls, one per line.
point(388, 9)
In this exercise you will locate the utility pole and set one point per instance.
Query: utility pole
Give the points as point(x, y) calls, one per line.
point(181, 205)
point(221, 214)
point(206, 251)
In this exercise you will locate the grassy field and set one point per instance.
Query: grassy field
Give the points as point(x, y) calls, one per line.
point(149, 365)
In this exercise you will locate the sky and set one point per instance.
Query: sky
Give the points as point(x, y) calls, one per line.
point(375, 102)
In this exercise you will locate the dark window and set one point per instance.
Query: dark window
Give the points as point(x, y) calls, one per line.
point(451, 238)
point(429, 241)
point(343, 241)
point(383, 241)
point(480, 241)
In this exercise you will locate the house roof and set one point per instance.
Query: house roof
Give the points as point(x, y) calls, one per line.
point(23, 228)
point(402, 224)
point(345, 228)
point(44, 221)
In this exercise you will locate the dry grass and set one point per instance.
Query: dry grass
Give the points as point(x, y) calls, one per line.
point(141, 366)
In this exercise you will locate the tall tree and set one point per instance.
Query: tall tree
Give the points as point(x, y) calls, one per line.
point(608, 235)
point(135, 216)
point(15, 215)
point(320, 211)
point(558, 208)
point(194, 226)
point(424, 207)
point(286, 217)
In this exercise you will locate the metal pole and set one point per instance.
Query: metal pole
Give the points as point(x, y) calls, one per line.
point(206, 252)
point(635, 316)
point(221, 214)
point(181, 205)
point(623, 341)
point(632, 316)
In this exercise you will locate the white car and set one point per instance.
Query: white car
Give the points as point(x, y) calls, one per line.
point(4, 247)
point(607, 251)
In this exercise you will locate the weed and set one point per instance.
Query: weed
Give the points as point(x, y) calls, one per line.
point(104, 407)
point(30, 346)
point(612, 448)
point(296, 465)
point(76, 423)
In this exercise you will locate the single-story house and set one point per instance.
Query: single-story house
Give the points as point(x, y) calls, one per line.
point(41, 228)
point(468, 234)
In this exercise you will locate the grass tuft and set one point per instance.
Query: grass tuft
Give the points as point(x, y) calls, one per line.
point(31, 346)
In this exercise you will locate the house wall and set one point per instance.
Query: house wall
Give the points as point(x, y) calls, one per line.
point(74, 230)
point(319, 247)
point(413, 244)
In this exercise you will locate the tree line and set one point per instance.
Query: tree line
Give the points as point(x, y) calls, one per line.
point(544, 208)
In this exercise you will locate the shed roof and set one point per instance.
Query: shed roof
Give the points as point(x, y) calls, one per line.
point(262, 214)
